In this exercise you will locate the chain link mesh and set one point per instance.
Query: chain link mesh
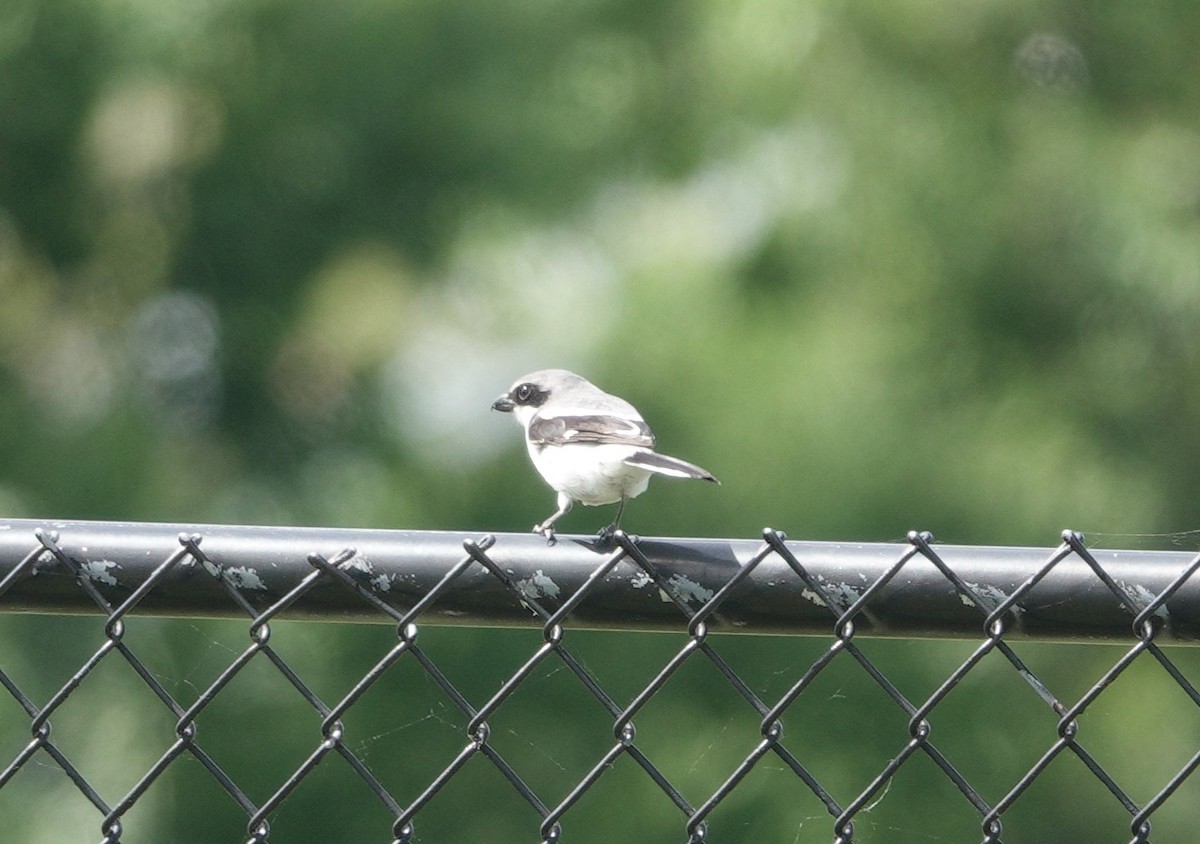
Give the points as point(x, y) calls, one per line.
point(552, 804)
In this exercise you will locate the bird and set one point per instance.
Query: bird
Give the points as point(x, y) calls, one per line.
point(588, 445)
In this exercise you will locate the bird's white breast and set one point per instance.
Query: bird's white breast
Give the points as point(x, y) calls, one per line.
point(590, 474)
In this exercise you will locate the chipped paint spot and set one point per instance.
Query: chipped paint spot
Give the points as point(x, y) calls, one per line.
point(242, 577)
point(239, 577)
point(381, 582)
point(538, 585)
point(1141, 597)
point(100, 571)
point(842, 594)
point(995, 595)
point(810, 595)
point(686, 590)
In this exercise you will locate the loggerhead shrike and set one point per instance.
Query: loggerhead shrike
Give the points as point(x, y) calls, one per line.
point(590, 446)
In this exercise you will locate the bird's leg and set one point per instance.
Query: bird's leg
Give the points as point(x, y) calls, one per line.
point(546, 528)
point(607, 533)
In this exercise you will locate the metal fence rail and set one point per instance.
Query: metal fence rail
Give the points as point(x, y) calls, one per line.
point(701, 587)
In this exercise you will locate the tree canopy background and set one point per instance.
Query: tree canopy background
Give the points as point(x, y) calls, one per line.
point(877, 266)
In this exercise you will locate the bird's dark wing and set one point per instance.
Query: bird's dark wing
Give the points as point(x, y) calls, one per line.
point(564, 430)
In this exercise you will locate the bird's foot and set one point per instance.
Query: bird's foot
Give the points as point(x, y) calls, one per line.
point(606, 536)
point(547, 532)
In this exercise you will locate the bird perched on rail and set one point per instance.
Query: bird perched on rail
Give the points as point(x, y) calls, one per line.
point(589, 446)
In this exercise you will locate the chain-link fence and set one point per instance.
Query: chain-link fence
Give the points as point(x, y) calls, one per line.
point(1131, 746)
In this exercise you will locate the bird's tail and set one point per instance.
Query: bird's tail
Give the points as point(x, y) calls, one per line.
point(671, 466)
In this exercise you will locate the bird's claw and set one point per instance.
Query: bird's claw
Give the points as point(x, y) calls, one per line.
point(607, 536)
point(547, 532)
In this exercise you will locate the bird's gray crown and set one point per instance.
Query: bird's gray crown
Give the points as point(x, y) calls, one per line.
point(552, 380)
point(574, 393)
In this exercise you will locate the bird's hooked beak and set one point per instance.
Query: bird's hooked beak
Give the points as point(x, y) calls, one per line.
point(504, 404)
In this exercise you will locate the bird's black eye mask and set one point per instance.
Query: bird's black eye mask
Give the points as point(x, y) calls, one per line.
point(530, 395)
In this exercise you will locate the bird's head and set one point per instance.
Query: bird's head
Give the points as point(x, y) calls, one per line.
point(529, 392)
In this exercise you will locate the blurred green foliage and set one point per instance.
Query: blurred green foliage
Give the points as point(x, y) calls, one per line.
point(878, 266)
